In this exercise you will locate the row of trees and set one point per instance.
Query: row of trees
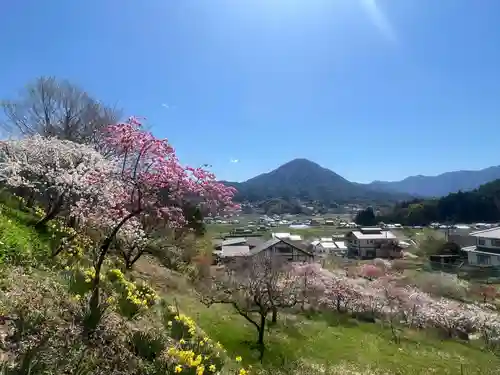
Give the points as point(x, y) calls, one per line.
point(260, 287)
point(118, 183)
point(480, 205)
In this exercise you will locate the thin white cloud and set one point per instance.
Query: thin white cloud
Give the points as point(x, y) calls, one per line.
point(165, 105)
point(234, 161)
point(379, 19)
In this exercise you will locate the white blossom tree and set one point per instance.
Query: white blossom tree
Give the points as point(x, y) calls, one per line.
point(57, 172)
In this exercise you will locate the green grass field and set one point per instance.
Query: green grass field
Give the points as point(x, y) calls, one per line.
point(336, 345)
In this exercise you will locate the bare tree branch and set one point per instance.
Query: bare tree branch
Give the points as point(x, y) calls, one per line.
point(57, 108)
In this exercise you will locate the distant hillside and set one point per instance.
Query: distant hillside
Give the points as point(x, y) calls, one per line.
point(478, 205)
point(441, 185)
point(307, 181)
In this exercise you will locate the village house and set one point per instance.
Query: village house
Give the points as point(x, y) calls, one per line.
point(369, 243)
point(284, 248)
point(328, 246)
point(486, 251)
point(325, 247)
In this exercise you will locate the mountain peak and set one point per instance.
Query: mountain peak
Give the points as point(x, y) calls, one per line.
point(300, 162)
point(308, 181)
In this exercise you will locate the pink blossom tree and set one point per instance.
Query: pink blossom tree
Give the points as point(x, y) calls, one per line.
point(487, 292)
point(371, 271)
point(149, 185)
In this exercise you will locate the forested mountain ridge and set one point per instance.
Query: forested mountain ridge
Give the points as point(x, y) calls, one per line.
point(478, 205)
point(440, 185)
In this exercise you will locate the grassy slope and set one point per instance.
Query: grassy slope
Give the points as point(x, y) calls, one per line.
point(39, 291)
point(297, 344)
point(335, 345)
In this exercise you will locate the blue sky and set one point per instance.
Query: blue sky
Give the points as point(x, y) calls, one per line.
point(370, 89)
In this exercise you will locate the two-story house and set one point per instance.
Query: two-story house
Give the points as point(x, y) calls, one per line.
point(486, 251)
point(369, 243)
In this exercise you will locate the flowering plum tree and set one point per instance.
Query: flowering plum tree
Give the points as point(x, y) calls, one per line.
point(132, 243)
point(255, 286)
point(150, 185)
point(57, 172)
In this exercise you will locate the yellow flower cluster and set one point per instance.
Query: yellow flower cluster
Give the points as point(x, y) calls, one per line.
point(39, 211)
point(82, 276)
point(142, 296)
point(194, 354)
point(188, 323)
point(187, 361)
point(73, 242)
point(78, 245)
point(89, 275)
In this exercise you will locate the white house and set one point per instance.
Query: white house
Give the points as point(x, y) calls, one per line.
point(341, 245)
point(486, 252)
point(329, 247)
point(369, 243)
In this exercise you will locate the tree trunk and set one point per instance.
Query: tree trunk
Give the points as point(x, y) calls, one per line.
point(72, 223)
point(94, 299)
point(260, 340)
point(275, 315)
point(30, 202)
point(129, 258)
point(106, 244)
point(52, 213)
point(61, 247)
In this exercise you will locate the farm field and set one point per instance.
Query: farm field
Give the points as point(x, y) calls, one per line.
point(217, 230)
point(312, 232)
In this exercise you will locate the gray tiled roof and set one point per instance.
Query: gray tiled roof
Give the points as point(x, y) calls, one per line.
point(234, 251)
point(255, 241)
point(263, 246)
point(233, 241)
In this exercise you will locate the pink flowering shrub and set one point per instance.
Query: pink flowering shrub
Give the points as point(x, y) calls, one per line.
point(371, 271)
